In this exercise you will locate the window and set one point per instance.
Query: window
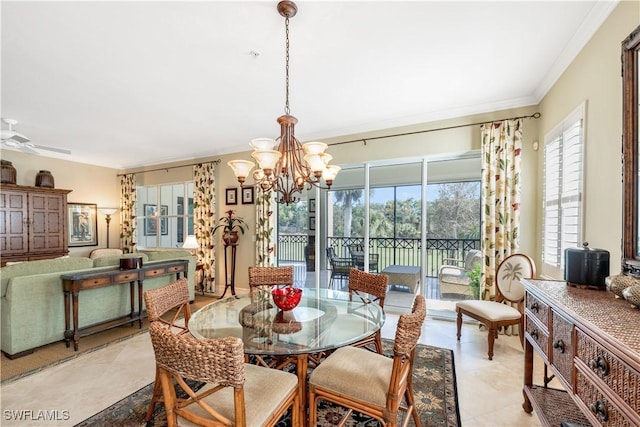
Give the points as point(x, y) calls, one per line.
point(563, 178)
point(164, 215)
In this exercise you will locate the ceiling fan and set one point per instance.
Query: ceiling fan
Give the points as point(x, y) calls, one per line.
point(11, 138)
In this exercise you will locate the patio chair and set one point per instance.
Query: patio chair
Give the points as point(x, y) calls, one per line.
point(453, 276)
point(371, 383)
point(358, 261)
point(340, 267)
point(235, 393)
point(160, 301)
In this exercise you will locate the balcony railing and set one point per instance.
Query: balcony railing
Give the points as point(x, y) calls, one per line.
point(390, 251)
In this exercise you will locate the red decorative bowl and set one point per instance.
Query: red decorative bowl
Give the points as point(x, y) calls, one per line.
point(286, 298)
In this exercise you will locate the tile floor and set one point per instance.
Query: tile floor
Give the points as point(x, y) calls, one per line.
point(489, 392)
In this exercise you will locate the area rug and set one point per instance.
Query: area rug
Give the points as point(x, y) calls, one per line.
point(434, 382)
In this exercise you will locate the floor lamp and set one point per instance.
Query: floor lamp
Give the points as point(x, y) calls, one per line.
point(107, 216)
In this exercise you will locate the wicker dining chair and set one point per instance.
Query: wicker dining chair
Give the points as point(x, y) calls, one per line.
point(370, 288)
point(235, 393)
point(160, 301)
point(371, 383)
point(270, 276)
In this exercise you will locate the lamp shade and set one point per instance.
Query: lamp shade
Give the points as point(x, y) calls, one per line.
point(190, 242)
point(241, 168)
point(108, 211)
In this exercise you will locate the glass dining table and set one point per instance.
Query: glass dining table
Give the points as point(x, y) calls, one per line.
point(324, 320)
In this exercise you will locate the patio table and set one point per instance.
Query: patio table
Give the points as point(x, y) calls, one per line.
point(404, 275)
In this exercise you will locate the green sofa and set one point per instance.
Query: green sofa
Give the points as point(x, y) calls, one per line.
point(32, 300)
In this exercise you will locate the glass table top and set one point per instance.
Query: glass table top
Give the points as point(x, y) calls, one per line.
point(325, 319)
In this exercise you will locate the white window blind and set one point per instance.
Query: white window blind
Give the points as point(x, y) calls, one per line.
point(563, 178)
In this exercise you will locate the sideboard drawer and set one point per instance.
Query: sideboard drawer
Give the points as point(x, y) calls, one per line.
point(127, 277)
point(155, 272)
point(606, 413)
point(623, 380)
point(95, 282)
point(562, 347)
point(538, 308)
point(176, 269)
point(540, 336)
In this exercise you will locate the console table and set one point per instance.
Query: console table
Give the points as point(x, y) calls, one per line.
point(73, 283)
point(591, 343)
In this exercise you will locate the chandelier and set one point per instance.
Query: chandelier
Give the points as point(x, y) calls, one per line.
point(285, 165)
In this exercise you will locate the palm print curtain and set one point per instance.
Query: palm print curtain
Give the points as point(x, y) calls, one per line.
point(128, 212)
point(204, 208)
point(501, 151)
point(265, 225)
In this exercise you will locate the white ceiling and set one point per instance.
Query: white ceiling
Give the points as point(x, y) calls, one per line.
point(127, 84)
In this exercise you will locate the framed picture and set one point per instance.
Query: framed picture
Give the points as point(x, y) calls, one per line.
point(83, 224)
point(312, 223)
point(152, 219)
point(312, 205)
point(247, 195)
point(231, 196)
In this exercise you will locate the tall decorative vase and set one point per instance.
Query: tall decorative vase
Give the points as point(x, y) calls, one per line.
point(44, 179)
point(8, 172)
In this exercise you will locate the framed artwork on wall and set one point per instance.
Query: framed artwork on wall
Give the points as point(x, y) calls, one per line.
point(83, 224)
point(312, 205)
point(312, 223)
point(247, 195)
point(231, 196)
point(151, 220)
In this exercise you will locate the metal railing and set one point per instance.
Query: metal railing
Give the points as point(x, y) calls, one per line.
point(399, 251)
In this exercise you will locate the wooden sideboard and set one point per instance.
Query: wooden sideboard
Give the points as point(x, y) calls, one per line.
point(590, 341)
point(73, 283)
point(33, 223)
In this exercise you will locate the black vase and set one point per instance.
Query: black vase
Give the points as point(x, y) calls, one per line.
point(44, 179)
point(8, 172)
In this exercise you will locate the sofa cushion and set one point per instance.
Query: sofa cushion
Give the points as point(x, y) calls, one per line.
point(166, 254)
point(98, 253)
point(40, 267)
point(113, 260)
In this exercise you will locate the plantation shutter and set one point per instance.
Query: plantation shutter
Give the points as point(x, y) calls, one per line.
point(563, 178)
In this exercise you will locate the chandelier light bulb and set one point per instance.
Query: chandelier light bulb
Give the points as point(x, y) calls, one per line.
point(241, 168)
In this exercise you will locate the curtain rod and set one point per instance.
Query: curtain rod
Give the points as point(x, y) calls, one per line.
point(173, 167)
point(532, 116)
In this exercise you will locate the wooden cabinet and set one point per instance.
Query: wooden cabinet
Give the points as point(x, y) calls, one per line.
point(33, 223)
point(590, 341)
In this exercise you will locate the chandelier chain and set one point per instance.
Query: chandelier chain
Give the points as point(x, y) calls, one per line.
point(286, 105)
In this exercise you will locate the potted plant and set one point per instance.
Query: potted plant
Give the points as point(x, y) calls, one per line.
point(230, 225)
point(474, 280)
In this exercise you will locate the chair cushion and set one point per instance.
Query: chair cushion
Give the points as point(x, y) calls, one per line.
point(360, 374)
point(451, 274)
point(493, 311)
point(264, 390)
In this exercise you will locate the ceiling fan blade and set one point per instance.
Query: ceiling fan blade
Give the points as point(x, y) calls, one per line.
point(57, 150)
point(13, 135)
point(27, 149)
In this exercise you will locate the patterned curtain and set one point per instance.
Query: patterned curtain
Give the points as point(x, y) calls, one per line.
point(204, 209)
point(501, 151)
point(128, 212)
point(265, 225)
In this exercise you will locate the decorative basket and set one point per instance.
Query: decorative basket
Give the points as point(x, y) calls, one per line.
point(286, 298)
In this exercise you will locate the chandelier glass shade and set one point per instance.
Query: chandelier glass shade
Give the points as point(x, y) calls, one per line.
point(285, 165)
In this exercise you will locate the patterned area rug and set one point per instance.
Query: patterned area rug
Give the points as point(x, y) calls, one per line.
point(434, 382)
